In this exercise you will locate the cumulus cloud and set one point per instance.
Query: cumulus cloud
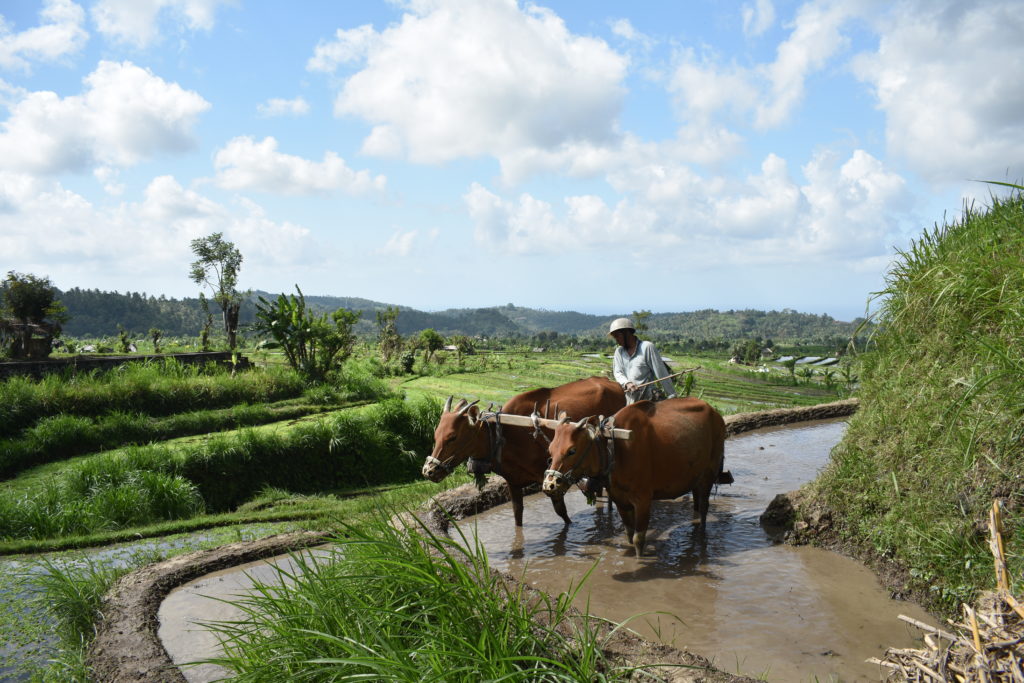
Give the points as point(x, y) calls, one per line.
point(948, 77)
point(462, 78)
point(277, 106)
point(148, 238)
point(59, 33)
point(136, 22)
point(846, 210)
point(624, 29)
point(244, 164)
point(126, 114)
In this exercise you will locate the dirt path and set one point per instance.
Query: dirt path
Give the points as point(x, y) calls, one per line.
point(127, 646)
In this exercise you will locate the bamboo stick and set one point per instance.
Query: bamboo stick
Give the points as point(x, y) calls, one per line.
point(676, 374)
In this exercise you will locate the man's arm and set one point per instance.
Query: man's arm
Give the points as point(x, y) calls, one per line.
point(619, 370)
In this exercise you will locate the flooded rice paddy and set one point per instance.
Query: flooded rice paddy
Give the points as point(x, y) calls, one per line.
point(754, 608)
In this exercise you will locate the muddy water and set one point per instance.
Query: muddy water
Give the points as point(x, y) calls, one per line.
point(783, 613)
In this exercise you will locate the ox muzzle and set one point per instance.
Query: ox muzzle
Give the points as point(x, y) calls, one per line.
point(556, 483)
point(434, 470)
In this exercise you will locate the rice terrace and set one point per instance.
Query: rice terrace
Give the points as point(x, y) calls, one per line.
point(263, 512)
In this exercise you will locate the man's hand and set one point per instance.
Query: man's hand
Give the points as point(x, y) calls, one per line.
point(630, 387)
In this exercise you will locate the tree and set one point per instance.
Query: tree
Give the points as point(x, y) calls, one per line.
point(790, 365)
point(314, 345)
point(216, 266)
point(430, 341)
point(640, 319)
point(155, 334)
point(31, 300)
point(389, 341)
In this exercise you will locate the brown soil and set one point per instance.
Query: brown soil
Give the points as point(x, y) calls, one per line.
point(127, 647)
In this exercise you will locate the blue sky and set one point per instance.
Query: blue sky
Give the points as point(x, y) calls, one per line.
point(594, 156)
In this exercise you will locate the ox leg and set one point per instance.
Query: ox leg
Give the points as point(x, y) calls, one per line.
point(626, 512)
point(559, 505)
point(702, 496)
point(642, 512)
point(517, 503)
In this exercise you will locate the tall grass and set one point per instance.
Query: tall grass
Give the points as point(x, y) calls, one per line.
point(158, 388)
point(939, 432)
point(391, 604)
point(383, 443)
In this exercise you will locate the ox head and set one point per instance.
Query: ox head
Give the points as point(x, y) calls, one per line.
point(458, 436)
point(573, 456)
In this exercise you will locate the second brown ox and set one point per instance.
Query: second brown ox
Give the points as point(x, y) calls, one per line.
point(677, 446)
point(514, 452)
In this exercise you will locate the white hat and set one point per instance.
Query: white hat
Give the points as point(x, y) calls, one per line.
point(621, 324)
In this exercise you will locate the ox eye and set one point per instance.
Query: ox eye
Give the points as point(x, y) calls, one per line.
point(572, 451)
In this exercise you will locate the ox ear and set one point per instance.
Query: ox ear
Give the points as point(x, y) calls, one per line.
point(463, 408)
point(472, 414)
point(448, 404)
point(592, 431)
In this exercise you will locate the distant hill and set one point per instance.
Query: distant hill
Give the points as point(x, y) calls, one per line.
point(98, 314)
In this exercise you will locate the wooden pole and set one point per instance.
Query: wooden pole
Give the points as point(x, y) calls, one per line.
point(655, 381)
point(527, 421)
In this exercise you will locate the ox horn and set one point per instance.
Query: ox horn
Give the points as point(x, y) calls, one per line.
point(466, 407)
point(582, 422)
point(448, 404)
point(459, 405)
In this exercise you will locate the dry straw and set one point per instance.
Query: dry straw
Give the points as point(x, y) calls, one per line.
point(987, 643)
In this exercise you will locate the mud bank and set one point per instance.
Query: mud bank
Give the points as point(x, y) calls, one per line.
point(127, 646)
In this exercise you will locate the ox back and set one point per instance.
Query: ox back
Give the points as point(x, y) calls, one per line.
point(524, 457)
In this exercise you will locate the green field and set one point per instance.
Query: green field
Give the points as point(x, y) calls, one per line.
point(202, 455)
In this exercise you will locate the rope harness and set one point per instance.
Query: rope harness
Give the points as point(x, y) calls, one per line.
point(606, 450)
point(495, 439)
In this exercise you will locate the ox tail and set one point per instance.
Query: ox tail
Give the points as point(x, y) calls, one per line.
point(724, 475)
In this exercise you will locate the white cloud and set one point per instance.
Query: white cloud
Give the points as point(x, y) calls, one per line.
point(349, 46)
point(136, 21)
point(847, 211)
point(400, 244)
point(462, 78)
point(950, 78)
point(244, 164)
point(766, 93)
point(758, 17)
point(144, 240)
point(814, 40)
point(624, 29)
point(125, 115)
point(277, 106)
point(59, 33)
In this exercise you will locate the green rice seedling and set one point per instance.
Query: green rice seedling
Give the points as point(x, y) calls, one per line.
point(395, 603)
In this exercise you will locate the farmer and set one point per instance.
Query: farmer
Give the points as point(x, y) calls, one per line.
point(636, 363)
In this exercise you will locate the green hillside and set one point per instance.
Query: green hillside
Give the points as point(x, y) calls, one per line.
point(939, 434)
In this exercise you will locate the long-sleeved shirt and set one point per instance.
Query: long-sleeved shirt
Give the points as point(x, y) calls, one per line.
point(644, 365)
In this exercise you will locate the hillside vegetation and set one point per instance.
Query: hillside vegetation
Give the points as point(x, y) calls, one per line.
point(939, 434)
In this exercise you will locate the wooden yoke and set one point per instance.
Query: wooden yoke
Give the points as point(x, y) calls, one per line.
point(528, 421)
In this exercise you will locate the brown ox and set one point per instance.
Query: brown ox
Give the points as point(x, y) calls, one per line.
point(677, 446)
point(514, 452)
